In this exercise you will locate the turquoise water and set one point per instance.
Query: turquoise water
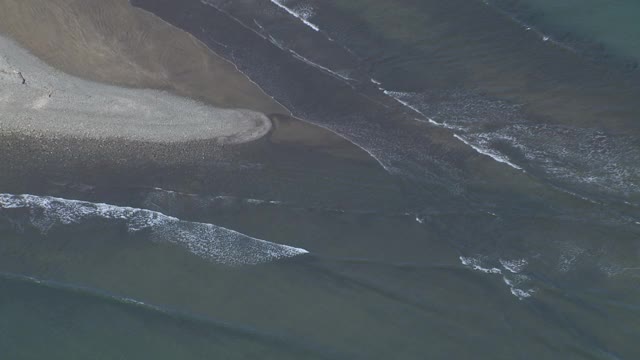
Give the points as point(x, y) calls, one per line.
point(610, 27)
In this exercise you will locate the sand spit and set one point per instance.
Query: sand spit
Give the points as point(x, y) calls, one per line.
point(37, 99)
point(110, 41)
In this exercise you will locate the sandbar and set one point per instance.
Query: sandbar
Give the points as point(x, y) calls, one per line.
point(113, 42)
point(38, 99)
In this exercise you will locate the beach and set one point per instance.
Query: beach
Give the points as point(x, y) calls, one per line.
point(315, 179)
point(87, 40)
point(36, 99)
point(114, 43)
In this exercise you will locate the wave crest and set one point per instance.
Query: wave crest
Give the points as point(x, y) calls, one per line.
point(208, 241)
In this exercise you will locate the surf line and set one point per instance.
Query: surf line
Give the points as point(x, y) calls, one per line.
point(210, 242)
point(487, 153)
point(395, 95)
point(295, 14)
point(318, 66)
point(406, 104)
point(299, 117)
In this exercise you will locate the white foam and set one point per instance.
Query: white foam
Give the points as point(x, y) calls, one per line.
point(305, 11)
point(154, 198)
point(276, 42)
point(476, 264)
point(209, 241)
point(302, 16)
point(318, 66)
point(396, 95)
point(590, 158)
point(513, 281)
point(513, 284)
point(515, 266)
point(257, 24)
point(521, 294)
point(491, 154)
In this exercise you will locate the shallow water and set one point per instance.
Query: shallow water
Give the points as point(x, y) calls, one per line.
point(499, 216)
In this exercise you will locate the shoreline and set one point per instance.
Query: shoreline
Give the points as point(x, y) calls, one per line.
point(38, 99)
point(144, 53)
point(115, 43)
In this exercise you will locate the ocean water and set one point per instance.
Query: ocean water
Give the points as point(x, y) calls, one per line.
point(600, 29)
point(498, 216)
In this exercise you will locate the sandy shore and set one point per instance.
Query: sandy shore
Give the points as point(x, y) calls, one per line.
point(91, 43)
point(110, 41)
point(35, 98)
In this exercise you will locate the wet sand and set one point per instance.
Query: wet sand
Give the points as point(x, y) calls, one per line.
point(81, 46)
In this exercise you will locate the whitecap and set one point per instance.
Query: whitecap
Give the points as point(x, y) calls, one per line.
point(303, 14)
point(515, 266)
point(404, 98)
point(320, 67)
point(211, 242)
point(488, 152)
point(159, 195)
point(521, 294)
point(476, 264)
point(516, 282)
point(397, 96)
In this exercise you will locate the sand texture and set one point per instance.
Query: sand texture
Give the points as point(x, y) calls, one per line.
point(38, 99)
point(112, 42)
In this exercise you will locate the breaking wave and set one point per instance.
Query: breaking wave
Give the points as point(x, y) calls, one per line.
point(302, 12)
point(589, 159)
point(512, 277)
point(211, 242)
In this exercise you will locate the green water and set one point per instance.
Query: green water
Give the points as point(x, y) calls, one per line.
point(613, 25)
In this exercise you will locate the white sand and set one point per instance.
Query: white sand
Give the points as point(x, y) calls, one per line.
point(52, 102)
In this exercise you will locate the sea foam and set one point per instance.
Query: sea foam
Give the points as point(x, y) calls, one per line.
point(512, 278)
point(214, 243)
point(488, 152)
point(303, 14)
